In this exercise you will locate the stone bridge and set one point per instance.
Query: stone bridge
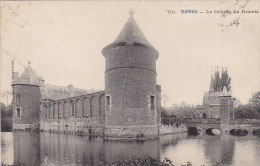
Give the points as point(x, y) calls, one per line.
point(203, 124)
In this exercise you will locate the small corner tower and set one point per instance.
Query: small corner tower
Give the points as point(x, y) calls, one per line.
point(26, 100)
point(130, 85)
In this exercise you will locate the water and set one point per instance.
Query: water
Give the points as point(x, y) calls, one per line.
point(34, 149)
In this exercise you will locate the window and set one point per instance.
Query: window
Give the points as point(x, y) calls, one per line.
point(152, 103)
point(49, 111)
point(46, 111)
point(72, 107)
point(108, 103)
point(18, 113)
point(108, 100)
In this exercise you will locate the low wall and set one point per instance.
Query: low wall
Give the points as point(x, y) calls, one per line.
point(25, 127)
point(171, 129)
point(84, 126)
point(131, 132)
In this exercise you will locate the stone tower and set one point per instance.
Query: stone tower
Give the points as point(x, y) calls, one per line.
point(130, 85)
point(26, 100)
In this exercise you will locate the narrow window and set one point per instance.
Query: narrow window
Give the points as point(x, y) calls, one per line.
point(72, 107)
point(53, 111)
point(152, 104)
point(49, 111)
point(108, 103)
point(18, 113)
point(46, 110)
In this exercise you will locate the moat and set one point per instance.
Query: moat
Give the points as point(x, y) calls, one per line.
point(31, 148)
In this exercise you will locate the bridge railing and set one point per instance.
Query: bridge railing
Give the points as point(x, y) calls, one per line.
point(244, 121)
point(170, 121)
point(200, 120)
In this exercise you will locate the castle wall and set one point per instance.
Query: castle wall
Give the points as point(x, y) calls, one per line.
point(171, 129)
point(158, 104)
point(26, 107)
point(82, 114)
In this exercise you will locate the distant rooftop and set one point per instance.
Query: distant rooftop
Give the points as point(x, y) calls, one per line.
point(49, 92)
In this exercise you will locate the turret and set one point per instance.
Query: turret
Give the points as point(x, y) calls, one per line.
point(130, 85)
point(26, 100)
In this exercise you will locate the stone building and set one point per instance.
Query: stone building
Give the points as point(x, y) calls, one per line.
point(213, 103)
point(128, 108)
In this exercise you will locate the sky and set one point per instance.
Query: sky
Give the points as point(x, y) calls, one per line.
point(63, 41)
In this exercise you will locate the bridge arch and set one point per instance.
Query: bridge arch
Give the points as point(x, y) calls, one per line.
point(256, 131)
point(238, 132)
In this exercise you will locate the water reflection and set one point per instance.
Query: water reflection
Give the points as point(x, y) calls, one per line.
point(7, 148)
point(55, 149)
point(219, 149)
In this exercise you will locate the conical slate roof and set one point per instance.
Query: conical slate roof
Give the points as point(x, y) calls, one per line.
point(28, 77)
point(131, 33)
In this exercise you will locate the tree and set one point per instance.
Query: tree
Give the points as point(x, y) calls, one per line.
point(217, 81)
point(221, 82)
point(246, 111)
point(2, 107)
point(251, 110)
point(6, 117)
point(255, 99)
point(225, 80)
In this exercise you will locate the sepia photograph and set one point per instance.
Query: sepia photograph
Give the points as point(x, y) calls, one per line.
point(130, 83)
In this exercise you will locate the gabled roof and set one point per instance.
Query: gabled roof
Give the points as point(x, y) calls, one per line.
point(29, 77)
point(54, 92)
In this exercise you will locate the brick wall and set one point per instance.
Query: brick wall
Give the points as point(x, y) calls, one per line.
point(82, 114)
point(27, 99)
point(130, 83)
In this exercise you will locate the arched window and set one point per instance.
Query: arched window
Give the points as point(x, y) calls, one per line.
point(60, 111)
point(86, 107)
point(49, 111)
point(56, 111)
point(204, 115)
point(93, 109)
point(102, 105)
point(72, 108)
point(78, 107)
point(46, 111)
point(66, 109)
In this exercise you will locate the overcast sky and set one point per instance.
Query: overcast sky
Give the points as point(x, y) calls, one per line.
point(63, 41)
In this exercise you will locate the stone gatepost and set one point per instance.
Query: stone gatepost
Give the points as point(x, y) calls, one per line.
point(225, 111)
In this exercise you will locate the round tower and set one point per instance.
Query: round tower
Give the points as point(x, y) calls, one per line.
point(26, 100)
point(130, 85)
